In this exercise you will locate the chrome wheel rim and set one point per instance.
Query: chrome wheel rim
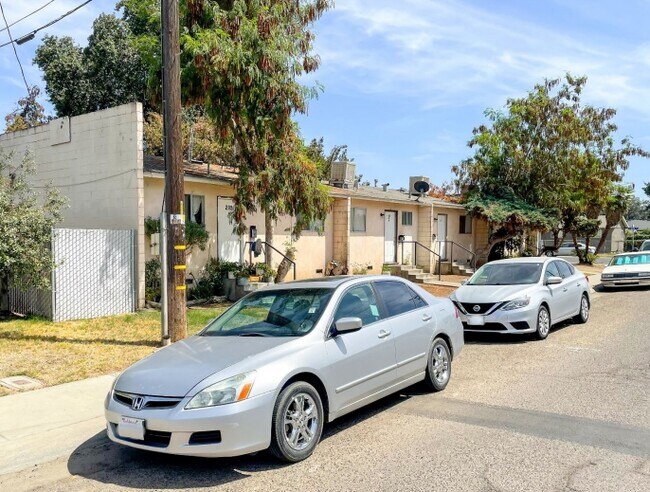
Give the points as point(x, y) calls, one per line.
point(440, 364)
point(584, 308)
point(301, 421)
point(543, 322)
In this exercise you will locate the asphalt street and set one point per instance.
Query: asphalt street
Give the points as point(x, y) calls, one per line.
point(568, 413)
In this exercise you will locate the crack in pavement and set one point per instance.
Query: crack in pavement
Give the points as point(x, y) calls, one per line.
point(621, 438)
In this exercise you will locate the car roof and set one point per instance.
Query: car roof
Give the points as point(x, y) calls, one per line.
point(630, 253)
point(330, 282)
point(523, 259)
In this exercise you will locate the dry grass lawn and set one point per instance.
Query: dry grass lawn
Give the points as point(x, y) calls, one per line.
point(56, 353)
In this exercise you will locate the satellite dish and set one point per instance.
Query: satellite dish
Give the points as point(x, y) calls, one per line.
point(421, 187)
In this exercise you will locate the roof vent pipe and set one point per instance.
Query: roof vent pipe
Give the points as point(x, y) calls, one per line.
point(385, 186)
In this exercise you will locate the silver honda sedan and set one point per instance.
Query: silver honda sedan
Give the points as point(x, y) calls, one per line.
point(523, 295)
point(280, 363)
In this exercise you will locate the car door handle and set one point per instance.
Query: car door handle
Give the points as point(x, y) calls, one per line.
point(426, 317)
point(383, 334)
point(565, 289)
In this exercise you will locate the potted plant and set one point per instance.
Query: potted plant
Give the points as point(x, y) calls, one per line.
point(243, 274)
point(266, 272)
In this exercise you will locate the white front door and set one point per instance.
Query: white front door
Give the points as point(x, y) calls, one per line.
point(228, 242)
point(442, 235)
point(390, 236)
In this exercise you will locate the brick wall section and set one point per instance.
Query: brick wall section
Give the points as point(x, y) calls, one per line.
point(341, 230)
point(481, 239)
point(97, 164)
point(425, 230)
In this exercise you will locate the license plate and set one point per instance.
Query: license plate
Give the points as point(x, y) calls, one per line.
point(131, 428)
point(475, 320)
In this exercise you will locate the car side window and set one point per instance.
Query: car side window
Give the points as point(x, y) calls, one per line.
point(419, 302)
point(564, 268)
point(359, 302)
point(551, 270)
point(397, 297)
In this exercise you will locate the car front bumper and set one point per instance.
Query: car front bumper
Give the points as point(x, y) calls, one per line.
point(227, 430)
point(523, 320)
point(625, 282)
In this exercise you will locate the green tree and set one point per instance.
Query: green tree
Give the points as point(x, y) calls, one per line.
point(241, 61)
point(316, 152)
point(26, 220)
point(617, 204)
point(638, 209)
point(106, 73)
point(547, 162)
point(28, 114)
point(646, 189)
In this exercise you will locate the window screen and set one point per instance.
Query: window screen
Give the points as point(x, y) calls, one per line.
point(407, 218)
point(358, 219)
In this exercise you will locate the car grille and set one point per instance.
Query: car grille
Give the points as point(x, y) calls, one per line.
point(625, 275)
point(484, 307)
point(150, 402)
point(520, 325)
point(205, 437)
point(486, 327)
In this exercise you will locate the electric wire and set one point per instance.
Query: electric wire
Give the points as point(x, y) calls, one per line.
point(32, 33)
point(14, 46)
point(26, 16)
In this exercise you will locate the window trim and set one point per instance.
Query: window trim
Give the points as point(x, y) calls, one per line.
point(365, 219)
point(410, 214)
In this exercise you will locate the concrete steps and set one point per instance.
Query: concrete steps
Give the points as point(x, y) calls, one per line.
point(419, 276)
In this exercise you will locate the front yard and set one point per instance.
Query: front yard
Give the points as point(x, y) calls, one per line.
point(56, 353)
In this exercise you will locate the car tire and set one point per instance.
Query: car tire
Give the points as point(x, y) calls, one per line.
point(583, 314)
point(298, 420)
point(549, 253)
point(543, 323)
point(438, 372)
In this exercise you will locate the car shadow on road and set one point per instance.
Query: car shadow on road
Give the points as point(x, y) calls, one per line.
point(100, 460)
point(477, 338)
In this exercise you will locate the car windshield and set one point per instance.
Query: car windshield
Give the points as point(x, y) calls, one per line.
point(507, 274)
point(273, 313)
point(645, 246)
point(640, 259)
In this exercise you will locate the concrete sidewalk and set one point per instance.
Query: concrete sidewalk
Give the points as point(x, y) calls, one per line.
point(42, 425)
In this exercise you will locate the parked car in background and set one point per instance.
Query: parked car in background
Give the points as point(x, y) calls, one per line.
point(280, 363)
point(627, 270)
point(645, 245)
point(523, 295)
point(567, 248)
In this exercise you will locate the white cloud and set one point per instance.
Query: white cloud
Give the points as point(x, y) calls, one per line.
point(451, 53)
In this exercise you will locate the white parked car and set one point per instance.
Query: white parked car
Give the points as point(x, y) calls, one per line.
point(567, 248)
point(627, 270)
point(645, 246)
point(523, 295)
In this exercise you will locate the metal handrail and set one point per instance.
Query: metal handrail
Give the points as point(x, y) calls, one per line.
point(250, 254)
point(472, 261)
point(416, 253)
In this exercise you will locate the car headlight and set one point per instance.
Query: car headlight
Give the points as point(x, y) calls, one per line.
point(516, 304)
point(236, 388)
point(644, 274)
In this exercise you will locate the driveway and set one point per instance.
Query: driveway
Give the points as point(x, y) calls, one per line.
point(568, 413)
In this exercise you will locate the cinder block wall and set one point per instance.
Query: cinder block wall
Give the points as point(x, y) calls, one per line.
point(96, 161)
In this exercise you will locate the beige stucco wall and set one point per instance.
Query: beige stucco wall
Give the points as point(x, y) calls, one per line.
point(96, 161)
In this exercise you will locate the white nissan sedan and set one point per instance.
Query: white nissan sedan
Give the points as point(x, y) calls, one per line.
point(281, 363)
point(523, 295)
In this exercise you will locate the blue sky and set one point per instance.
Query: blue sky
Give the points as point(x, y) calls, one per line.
point(406, 82)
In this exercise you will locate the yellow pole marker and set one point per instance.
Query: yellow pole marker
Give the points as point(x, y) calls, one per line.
point(181, 287)
point(180, 247)
point(180, 267)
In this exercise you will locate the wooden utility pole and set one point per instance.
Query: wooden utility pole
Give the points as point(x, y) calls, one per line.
point(174, 183)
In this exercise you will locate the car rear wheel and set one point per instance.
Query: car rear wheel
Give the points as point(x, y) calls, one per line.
point(549, 252)
point(543, 323)
point(583, 314)
point(438, 366)
point(297, 422)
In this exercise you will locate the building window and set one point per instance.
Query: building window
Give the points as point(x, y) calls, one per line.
point(315, 225)
point(195, 208)
point(465, 224)
point(407, 218)
point(358, 219)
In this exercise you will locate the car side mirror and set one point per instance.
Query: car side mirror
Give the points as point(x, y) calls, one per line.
point(553, 280)
point(345, 325)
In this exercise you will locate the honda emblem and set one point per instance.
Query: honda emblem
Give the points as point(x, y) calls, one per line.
point(137, 403)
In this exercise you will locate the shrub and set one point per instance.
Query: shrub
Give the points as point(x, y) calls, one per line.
point(152, 280)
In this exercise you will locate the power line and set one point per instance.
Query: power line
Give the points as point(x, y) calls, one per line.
point(28, 15)
point(29, 36)
point(14, 46)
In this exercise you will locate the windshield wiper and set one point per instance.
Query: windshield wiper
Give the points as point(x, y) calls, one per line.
point(253, 334)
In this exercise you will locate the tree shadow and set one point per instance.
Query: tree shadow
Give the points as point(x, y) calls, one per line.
point(101, 460)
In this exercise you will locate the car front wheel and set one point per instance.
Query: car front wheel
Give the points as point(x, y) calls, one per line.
point(298, 420)
point(543, 323)
point(438, 366)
